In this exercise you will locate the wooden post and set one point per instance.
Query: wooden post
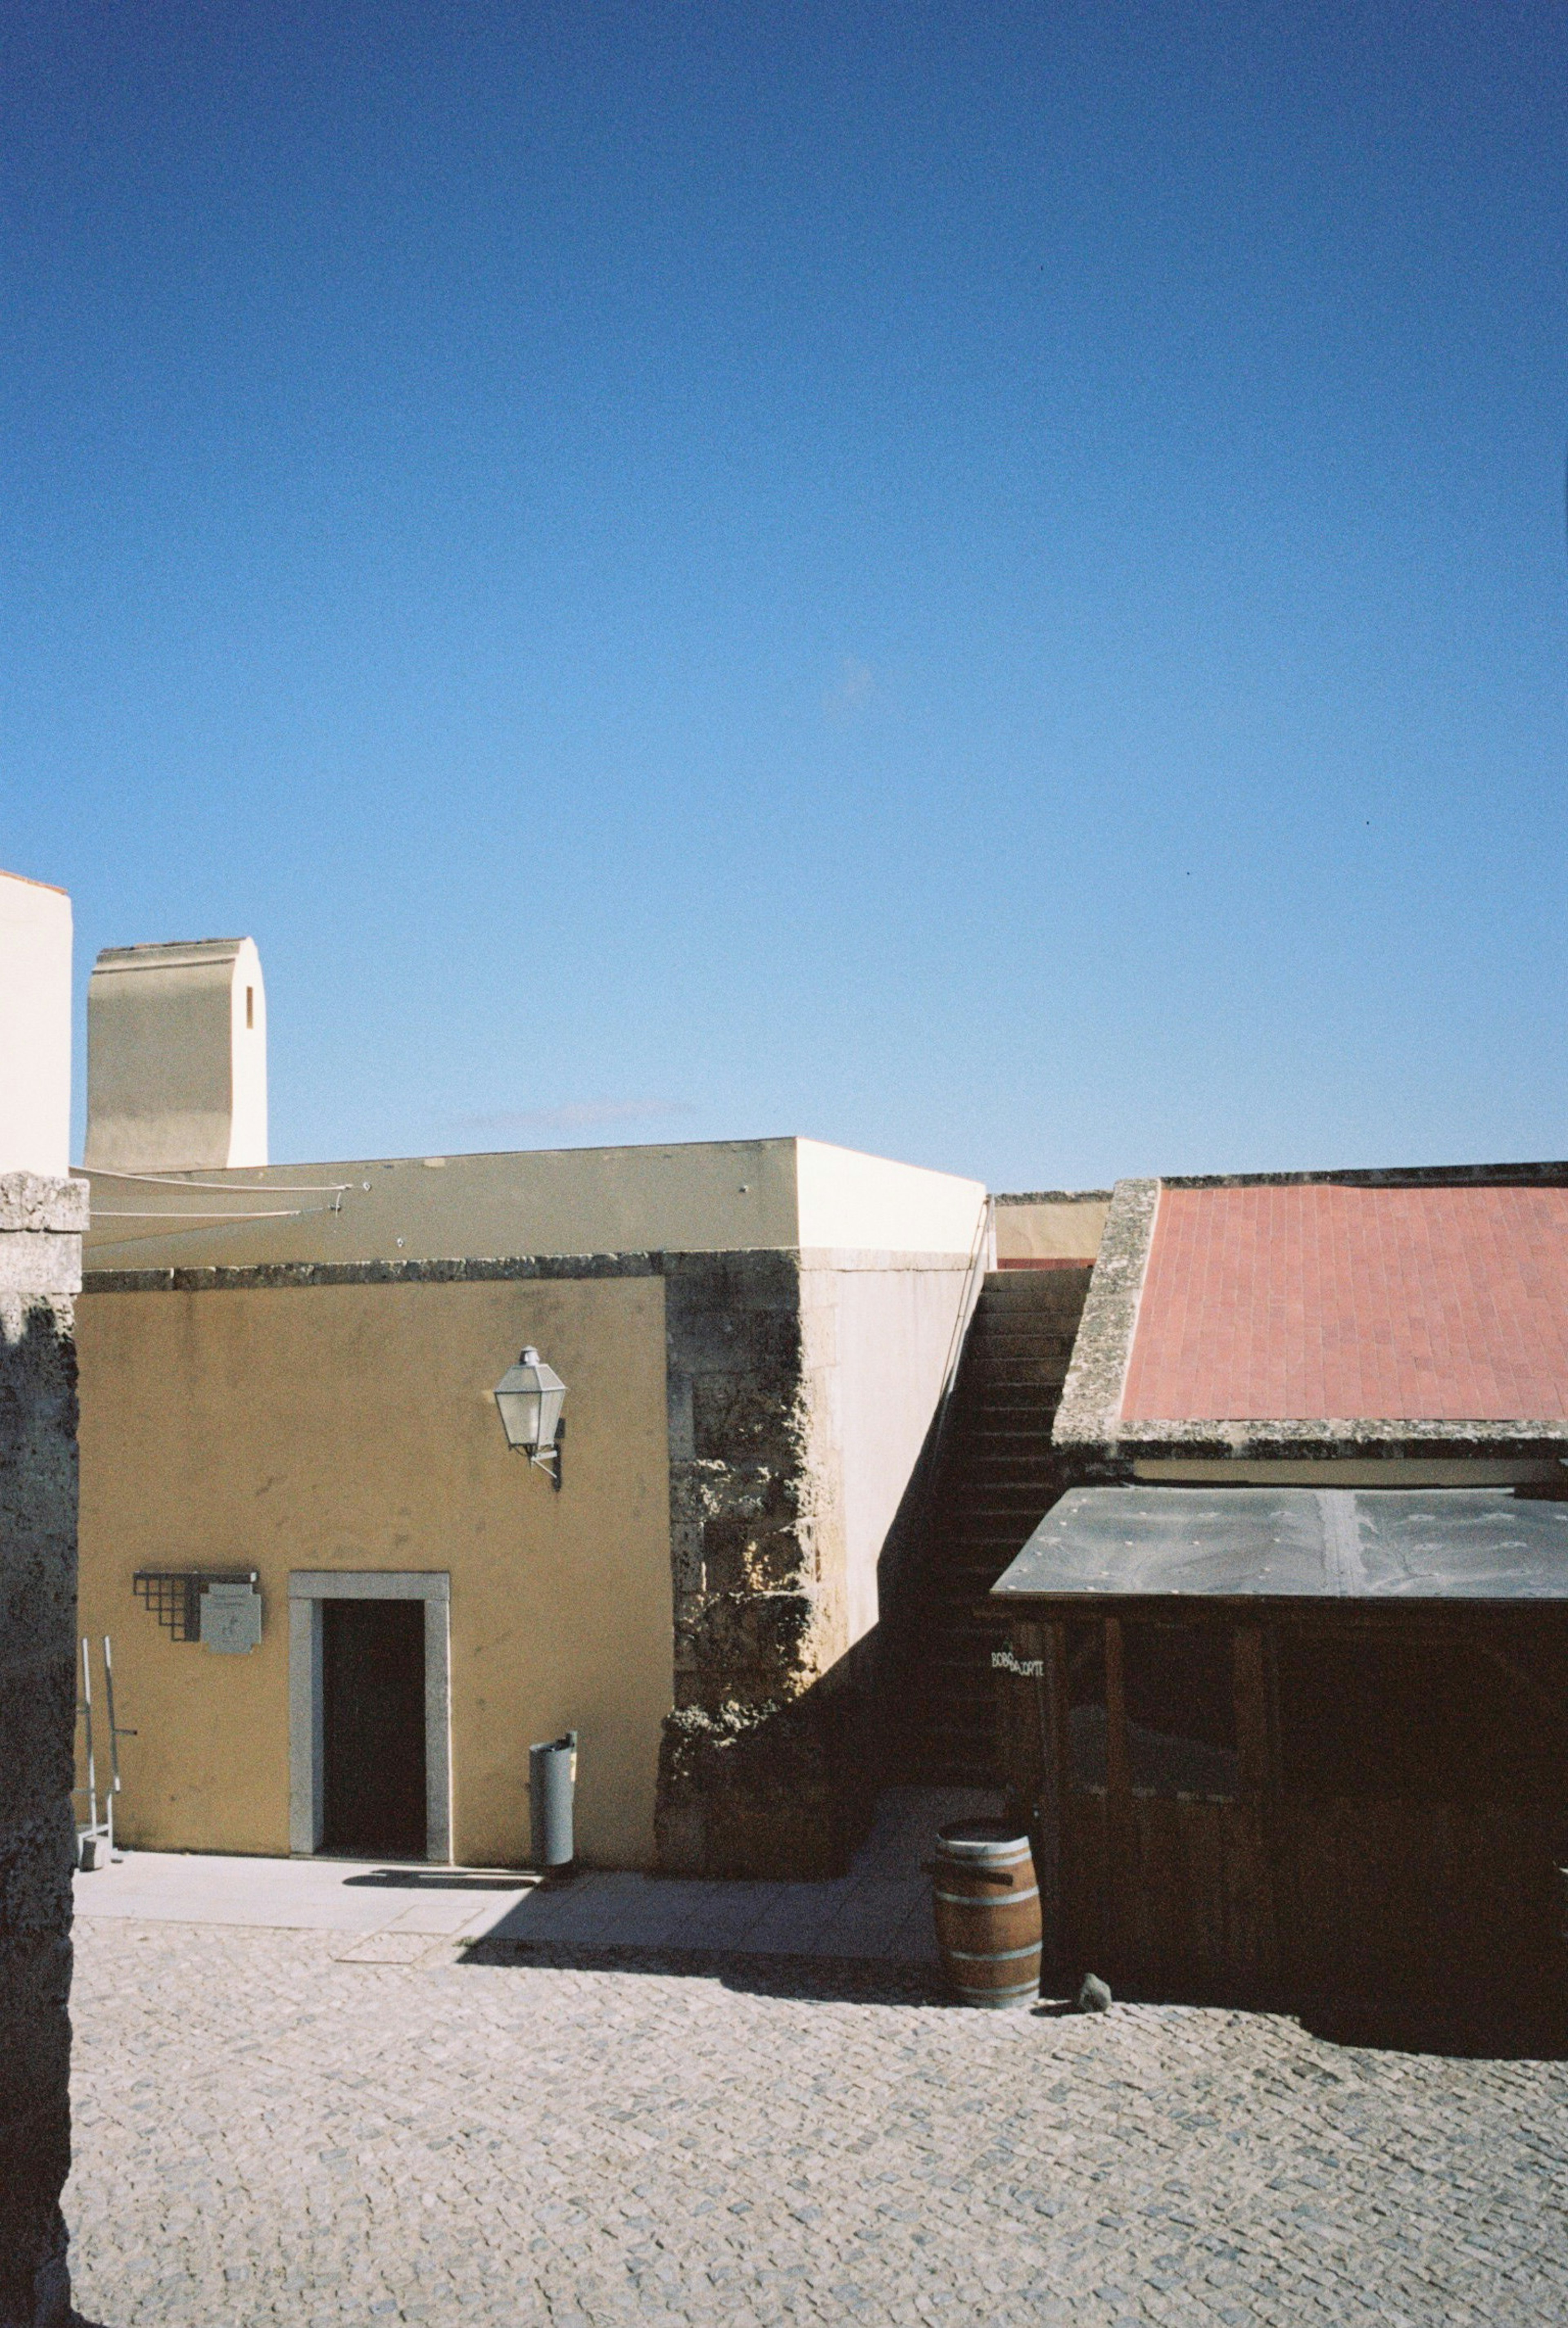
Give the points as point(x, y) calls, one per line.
point(1117, 1768)
point(1022, 1734)
point(1121, 1919)
point(1257, 1835)
point(1252, 1710)
point(1049, 1697)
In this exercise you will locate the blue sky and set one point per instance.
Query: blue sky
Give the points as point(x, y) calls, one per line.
point(985, 583)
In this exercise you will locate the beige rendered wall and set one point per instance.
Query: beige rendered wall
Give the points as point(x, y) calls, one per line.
point(176, 1058)
point(718, 1196)
point(34, 1027)
point(353, 1427)
point(1049, 1228)
point(868, 1203)
point(877, 1331)
point(702, 1196)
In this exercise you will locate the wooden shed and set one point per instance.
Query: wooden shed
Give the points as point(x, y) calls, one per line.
point(1295, 1747)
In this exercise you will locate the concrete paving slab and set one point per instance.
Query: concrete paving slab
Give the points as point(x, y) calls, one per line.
point(331, 1895)
point(450, 1912)
point(880, 1912)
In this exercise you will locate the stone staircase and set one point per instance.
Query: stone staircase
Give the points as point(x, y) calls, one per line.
point(996, 1477)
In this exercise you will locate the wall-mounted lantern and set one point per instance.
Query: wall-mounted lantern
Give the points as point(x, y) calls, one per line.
point(529, 1396)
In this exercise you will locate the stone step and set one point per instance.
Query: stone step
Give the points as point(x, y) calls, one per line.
point(1017, 1379)
point(1028, 1409)
point(1029, 1425)
point(998, 1475)
point(977, 1459)
point(987, 1352)
point(1027, 1325)
point(1005, 1508)
point(1001, 1516)
point(1034, 1289)
point(1031, 1413)
point(1000, 1484)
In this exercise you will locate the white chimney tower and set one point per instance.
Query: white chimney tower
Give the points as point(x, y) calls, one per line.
point(34, 1027)
point(176, 1058)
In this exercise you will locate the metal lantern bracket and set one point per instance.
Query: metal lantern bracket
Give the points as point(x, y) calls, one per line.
point(549, 1459)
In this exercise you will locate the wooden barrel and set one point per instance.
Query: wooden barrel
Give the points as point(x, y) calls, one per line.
point(987, 1912)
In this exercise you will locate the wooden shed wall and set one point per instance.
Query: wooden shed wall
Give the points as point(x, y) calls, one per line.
point(1286, 1895)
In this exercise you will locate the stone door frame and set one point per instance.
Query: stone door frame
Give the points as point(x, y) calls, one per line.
point(307, 1588)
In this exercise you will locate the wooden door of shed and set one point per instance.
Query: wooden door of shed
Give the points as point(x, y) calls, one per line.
point(1165, 1890)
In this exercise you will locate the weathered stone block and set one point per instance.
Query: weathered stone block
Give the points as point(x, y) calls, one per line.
point(40, 1267)
point(755, 1553)
point(759, 1612)
point(750, 1648)
point(741, 1417)
point(35, 2064)
point(36, 1857)
point(753, 1791)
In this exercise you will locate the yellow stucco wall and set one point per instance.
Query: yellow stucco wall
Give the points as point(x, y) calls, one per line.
point(353, 1427)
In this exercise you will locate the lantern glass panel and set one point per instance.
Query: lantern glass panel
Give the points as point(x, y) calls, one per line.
point(551, 1399)
point(529, 1396)
point(519, 1415)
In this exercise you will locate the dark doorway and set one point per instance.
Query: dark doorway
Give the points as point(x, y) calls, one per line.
point(372, 1673)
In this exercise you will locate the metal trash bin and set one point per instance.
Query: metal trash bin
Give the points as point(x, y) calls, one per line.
point(553, 1776)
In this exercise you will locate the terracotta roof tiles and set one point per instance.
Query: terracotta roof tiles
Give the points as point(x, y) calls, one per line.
point(1307, 1302)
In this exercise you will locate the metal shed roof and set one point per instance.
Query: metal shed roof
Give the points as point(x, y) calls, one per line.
point(1384, 1544)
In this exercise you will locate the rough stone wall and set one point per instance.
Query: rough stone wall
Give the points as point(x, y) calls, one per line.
point(753, 1776)
point(41, 1224)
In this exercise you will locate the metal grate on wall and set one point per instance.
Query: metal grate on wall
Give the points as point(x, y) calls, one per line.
point(174, 1595)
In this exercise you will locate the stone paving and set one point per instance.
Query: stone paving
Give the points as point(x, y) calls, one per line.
point(274, 2127)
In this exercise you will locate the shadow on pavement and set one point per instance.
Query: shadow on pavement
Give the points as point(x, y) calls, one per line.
point(842, 1980)
point(415, 1879)
point(1502, 2033)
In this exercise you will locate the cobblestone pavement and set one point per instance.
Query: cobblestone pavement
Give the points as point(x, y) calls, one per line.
point(271, 2128)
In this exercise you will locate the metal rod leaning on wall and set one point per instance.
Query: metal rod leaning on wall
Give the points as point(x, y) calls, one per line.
point(99, 1831)
point(114, 1733)
point(86, 1717)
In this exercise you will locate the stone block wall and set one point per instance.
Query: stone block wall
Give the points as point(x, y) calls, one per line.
point(40, 1224)
point(758, 1756)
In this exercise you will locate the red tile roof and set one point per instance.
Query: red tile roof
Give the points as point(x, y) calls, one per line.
point(1322, 1300)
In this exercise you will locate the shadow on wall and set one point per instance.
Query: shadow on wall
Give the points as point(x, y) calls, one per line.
point(902, 1588)
point(787, 1791)
point(782, 1791)
point(37, 1832)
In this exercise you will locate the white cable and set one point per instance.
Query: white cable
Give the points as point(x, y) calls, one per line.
point(296, 1213)
point(218, 1188)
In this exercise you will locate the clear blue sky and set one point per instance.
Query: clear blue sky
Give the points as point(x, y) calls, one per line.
point(985, 582)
